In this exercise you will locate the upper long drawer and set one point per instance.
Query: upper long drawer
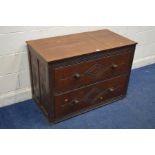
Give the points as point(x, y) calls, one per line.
point(88, 72)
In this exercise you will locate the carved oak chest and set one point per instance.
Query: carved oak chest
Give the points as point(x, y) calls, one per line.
point(76, 73)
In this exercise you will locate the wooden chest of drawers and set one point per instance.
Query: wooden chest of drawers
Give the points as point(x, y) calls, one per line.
point(75, 73)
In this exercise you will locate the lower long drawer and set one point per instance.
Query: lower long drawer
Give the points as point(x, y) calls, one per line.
point(84, 98)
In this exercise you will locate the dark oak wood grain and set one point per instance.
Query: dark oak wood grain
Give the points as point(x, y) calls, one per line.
point(58, 48)
point(75, 73)
point(87, 72)
point(73, 101)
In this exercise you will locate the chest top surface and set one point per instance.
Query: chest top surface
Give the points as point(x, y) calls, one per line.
point(61, 47)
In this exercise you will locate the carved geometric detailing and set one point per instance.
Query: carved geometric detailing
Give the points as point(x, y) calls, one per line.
point(91, 96)
point(95, 71)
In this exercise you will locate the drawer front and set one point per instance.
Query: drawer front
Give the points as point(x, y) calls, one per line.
point(97, 94)
point(88, 72)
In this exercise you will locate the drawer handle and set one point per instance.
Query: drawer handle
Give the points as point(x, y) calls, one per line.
point(101, 98)
point(77, 76)
point(76, 101)
point(111, 90)
point(66, 100)
point(114, 66)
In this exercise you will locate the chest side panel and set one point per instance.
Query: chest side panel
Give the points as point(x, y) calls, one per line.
point(40, 83)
